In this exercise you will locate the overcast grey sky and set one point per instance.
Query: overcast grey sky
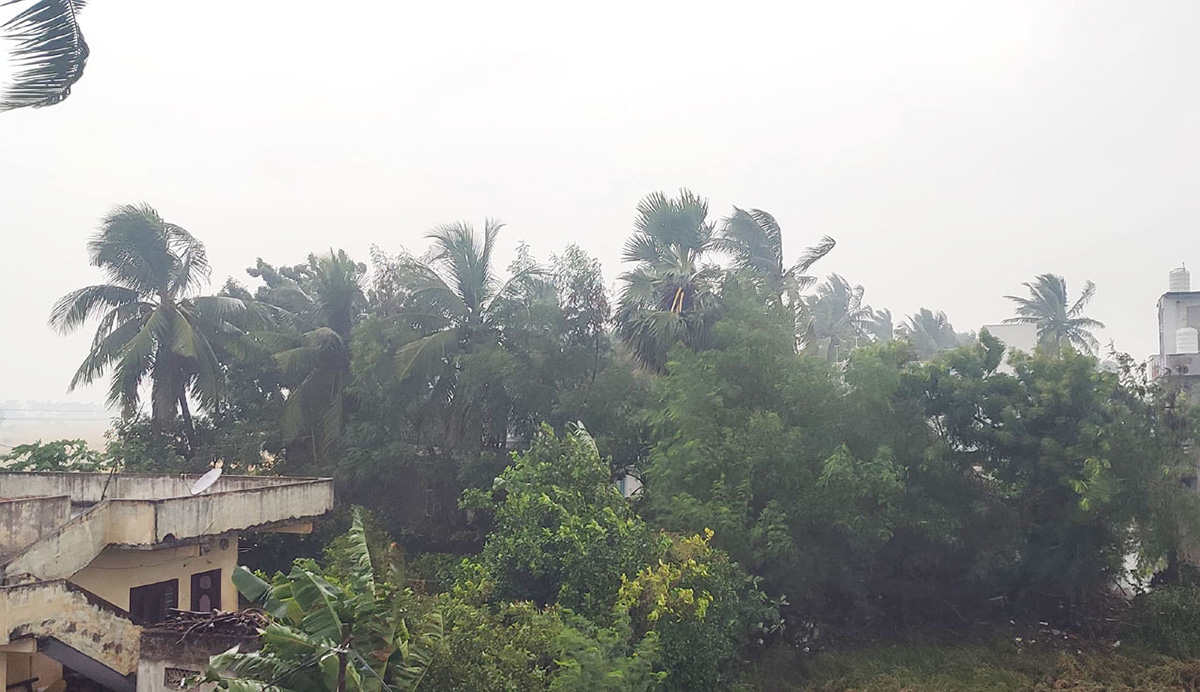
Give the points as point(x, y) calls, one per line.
point(954, 149)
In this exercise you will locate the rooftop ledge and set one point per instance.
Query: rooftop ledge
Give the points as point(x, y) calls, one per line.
point(138, 511)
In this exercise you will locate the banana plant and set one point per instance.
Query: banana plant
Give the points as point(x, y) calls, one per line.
point(328, 633)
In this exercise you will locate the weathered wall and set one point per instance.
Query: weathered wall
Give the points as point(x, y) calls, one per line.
point(55, 609)
point(24, 520)
point(65, 551)
point(217, 513)
point(117, 570)
point(93, 487)
point(163, 650)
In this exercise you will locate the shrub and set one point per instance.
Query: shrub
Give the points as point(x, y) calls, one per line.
point(1167, 620)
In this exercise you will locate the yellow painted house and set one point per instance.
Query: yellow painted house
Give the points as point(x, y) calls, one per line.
point(87, 560)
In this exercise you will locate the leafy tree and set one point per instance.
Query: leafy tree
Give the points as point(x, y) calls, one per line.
point(564, 537)
point(670, 294)
point(563, 533)
point(48, 53)
point(150, 324)
point(755, 241)
point(1058, 320)
point(56, 455)
point(585, 308)
point(331, 632)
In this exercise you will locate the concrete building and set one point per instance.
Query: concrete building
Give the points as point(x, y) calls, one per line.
point(1019, 337)
point(1178, 357)
point(88, 560)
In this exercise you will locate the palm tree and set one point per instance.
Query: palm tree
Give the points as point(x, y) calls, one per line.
point(880, 326)
point(322, 306)
point(930, 333)
point(456, 310)
point(833, 317)
point(150, 325)
point(49, 52)
point(669, 295)
point(1058, 321)
point(754, 240)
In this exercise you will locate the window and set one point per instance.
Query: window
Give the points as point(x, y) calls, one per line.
point(149, 603)
point(206, 591)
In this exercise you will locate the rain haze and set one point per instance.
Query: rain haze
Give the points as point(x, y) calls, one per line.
point(954, 150)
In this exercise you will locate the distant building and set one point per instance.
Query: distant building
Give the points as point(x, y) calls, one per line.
point(87, 560)
point(1019, 337)
point(1178, 357)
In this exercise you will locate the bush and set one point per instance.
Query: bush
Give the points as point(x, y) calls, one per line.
point(520, 647)
point(703, 608)
point(563, 533)
point(1167, 620)
point(566, 539)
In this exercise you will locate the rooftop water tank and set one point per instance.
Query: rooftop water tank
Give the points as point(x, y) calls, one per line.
point(1181, 280)
point(1187, 340)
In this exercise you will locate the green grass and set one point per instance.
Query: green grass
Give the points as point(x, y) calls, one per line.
point(999, 666)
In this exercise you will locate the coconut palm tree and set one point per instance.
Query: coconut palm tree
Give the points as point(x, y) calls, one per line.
point(151, 326)
point(931, 333)
point(1058, 321)
point(456, 312)
point(755, 242)
point(880, 326)
point(48, 53)
point(669, 295)
point(321, 301)
point(833, 319)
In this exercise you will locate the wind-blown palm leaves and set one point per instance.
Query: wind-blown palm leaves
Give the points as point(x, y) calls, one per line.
point(330, 632)
point(755, 242)
point(149, 325)
point(1058, 321)
point(49, 52)
point(322, 300)
point(880, 326)
point(669, 295)
point(455, 314)
point(931, 333)
point(834, 318)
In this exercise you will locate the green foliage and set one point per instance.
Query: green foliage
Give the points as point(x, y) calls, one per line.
point(56, 455)
point(563, 533)
point(1059, 322)
point(1167, 619)
point(990, 666)
point(519, 647)
point(341, 629)
point(893, 492)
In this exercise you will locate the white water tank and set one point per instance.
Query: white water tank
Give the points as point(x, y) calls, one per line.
point(1187, 340)
point(1180, 281)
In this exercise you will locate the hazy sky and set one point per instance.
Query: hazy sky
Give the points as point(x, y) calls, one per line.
point(953, 149)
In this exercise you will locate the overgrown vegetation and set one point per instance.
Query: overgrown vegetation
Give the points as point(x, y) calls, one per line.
point(815, 477)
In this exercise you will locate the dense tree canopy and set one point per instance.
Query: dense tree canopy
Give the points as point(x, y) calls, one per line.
point(809, 465)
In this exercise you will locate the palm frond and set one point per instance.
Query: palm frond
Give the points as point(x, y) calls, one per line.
point(191, 268)
point(420, 354)
point(77, 307)
point(812, 254)
point(49, 55)
point(1089, 290)
point(104, 352)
